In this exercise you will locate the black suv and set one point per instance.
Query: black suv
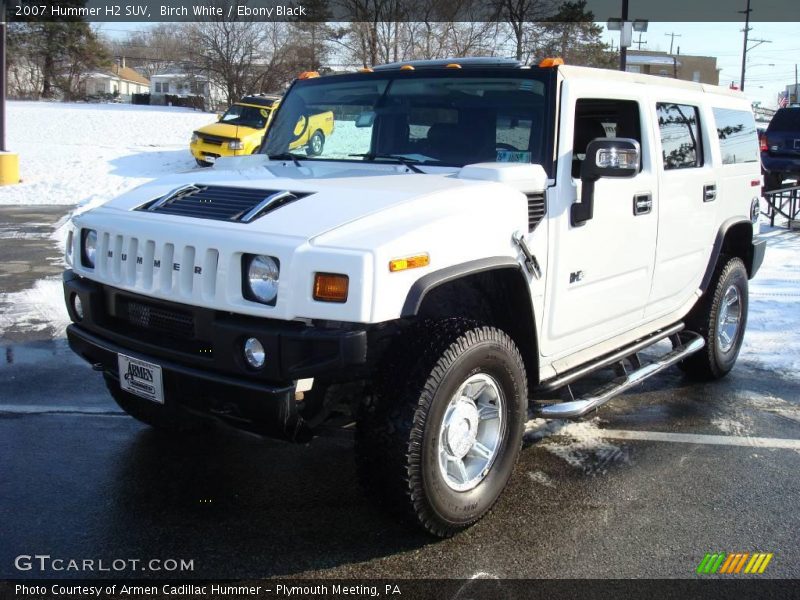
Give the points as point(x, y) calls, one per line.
point(780, 151)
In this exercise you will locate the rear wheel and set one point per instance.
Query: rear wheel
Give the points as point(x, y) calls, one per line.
point(772, 181)
point(315, 144)
point(167, 417)
point(442, 434)
point(720, 317)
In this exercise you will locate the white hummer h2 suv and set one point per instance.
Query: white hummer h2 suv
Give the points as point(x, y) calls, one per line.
point(474, 232)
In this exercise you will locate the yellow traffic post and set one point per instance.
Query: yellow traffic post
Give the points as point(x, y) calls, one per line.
point(9, 168)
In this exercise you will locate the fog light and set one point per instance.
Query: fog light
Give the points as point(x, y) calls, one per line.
point(254, 353)
point(77, 306)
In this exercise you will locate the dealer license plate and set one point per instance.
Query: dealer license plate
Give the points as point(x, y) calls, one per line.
point(141, 378)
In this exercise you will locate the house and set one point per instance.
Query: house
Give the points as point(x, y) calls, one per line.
point(701, 69)
point(792, 97)
point(119, 81)
point(178, 82)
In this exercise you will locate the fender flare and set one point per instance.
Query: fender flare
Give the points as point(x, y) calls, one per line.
point(716, 250)
point(426, 283)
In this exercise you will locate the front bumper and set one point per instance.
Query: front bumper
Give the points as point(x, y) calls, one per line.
point(201, 352)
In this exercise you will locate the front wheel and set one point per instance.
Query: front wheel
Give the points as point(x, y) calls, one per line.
point(444, 429)
point(202, 163)
point(720, 316)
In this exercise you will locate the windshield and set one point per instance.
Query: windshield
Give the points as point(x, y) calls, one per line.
point(447, 120)
point(247, 116)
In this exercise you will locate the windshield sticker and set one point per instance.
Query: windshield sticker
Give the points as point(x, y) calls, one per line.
point(513, 156)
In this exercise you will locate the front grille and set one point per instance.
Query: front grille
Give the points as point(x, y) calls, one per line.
point(158, 319)
point(214, 140)
point(537, 209)
point(221, 203)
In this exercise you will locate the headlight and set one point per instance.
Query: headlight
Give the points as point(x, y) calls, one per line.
point(261, 278)
point(88, 247)
point(236, 145)
point(195, 138)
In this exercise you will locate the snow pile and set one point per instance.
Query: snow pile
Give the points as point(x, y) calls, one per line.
point(36, 309)
point(88, 153)
point(772, 338)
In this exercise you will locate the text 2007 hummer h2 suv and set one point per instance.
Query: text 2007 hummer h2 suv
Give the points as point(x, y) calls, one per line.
point(471, 235)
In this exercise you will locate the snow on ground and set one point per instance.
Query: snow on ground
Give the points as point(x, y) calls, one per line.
point(772, 338)
point(89, 153)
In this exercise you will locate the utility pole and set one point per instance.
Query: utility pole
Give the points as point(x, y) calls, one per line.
point(672, 35)
point(623, 49)
point(746, 12)
point(640, 41)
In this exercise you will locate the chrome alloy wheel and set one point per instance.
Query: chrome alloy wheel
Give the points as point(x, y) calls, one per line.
point(471, 433)
point(316, 143)
point(729, 318)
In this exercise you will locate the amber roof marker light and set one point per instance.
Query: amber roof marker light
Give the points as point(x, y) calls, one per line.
point(551, 62)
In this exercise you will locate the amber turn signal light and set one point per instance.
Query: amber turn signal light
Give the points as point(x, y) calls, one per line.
point(409, 262)
point(331, 287)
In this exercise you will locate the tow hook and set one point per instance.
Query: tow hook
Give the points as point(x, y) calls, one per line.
point(531, 264)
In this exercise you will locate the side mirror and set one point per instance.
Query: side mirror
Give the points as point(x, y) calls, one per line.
point(365, 119)
point(219, 116)
point(605, 157)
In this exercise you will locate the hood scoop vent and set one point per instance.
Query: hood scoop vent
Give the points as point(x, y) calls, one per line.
point(221, 203)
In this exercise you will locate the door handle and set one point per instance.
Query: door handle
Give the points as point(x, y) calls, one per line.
point(642, 204)
point(709, 192)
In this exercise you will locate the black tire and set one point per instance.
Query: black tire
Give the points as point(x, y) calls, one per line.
point(315, 144)
point(202, 163)
point(715, 360)
point(399, 426)
point(772, 181)
point(165, 417)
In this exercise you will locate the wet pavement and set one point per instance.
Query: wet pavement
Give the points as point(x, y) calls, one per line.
point(78, 479)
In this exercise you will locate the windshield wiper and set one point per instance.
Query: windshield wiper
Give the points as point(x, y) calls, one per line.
point(405, 160)
point(286, 156)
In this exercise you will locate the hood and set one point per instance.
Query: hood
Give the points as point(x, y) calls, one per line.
point(330, 197)
point(227, 130)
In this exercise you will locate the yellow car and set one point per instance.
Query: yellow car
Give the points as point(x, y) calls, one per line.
point(240, 130)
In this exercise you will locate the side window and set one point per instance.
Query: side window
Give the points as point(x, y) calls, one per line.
point(600, 117)
point(679, 125)
point(736, 131)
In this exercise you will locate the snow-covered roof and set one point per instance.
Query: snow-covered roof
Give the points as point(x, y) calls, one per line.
point(652, 60)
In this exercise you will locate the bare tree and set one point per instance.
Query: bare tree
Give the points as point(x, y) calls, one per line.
point(152, 50)
point(229, 52)
point(521, 16)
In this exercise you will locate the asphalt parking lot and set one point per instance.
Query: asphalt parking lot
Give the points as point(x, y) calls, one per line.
point(660, 477)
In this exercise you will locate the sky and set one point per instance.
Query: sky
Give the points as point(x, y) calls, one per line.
point(770, 66)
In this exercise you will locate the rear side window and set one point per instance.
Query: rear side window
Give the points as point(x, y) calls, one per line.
point(679, 125)
point(736, 130)
point(786, 119)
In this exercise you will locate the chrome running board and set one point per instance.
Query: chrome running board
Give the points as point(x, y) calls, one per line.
point(578, 408)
